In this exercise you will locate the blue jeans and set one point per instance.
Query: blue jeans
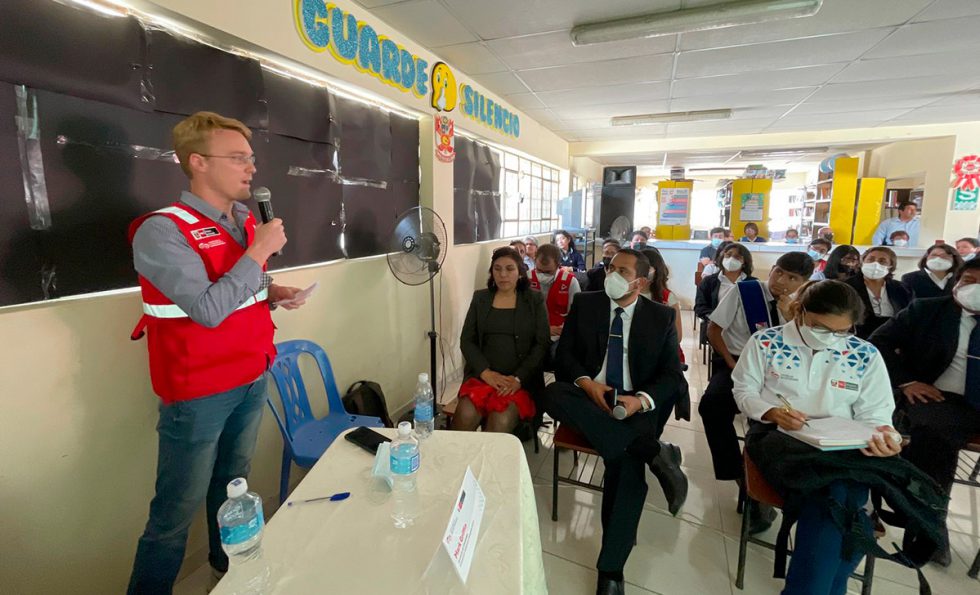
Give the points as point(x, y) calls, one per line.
point(817, 566)
point(204, 444)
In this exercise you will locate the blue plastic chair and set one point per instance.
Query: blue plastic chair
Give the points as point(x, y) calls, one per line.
point(304, 437)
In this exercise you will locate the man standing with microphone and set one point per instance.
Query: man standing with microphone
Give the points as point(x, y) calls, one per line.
point(206, 314)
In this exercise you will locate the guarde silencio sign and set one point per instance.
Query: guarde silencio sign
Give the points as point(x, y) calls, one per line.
point(323, 26)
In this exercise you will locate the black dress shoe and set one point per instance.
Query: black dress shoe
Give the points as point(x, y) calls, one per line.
point(763, 517)
point(942, 557)
point(666, 467)
point(607, 586)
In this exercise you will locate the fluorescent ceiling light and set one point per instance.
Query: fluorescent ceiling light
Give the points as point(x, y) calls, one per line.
point(714, 16)
point(672, 117)
point(776, 153)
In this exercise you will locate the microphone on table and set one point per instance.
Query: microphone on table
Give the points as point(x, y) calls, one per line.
point(263, 196)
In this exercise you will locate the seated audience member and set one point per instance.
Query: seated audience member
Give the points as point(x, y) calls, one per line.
point(899, 239)
point(639, 241)
point(655, 289)
point(752, 234)
point(883, 296)
point(932, 349)
point(504, 342)
point(717, 236)
point(597, 274)
point(968, 248)
point(571, 259)
point(827, 234)
point(792, 236)
point(937, 269)
point(751, 307)
point(715, 266)
point(729, 236)
point(819, 251)
point(647, 230)
point(843, 263)
point(557, 285)
point(530, 251)
point(833, 374)
point(736, 264)
point(592, 361)
point(907, 221)
point(521, 248)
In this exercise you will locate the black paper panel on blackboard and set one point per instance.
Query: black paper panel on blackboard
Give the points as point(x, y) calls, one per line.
point(365, 145)
point(299, 109)
point(72, 50)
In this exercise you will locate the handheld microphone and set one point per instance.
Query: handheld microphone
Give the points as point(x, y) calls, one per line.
point(263, 197)
point(619, 412)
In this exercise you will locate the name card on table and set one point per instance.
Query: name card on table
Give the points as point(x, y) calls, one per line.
point(464, 525)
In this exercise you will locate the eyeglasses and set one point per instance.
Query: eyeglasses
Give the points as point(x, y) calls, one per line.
point(824, 331)
point(239, 159)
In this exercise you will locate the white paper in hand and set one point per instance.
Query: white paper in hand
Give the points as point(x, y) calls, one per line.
point(464, 525)
point(300, 296)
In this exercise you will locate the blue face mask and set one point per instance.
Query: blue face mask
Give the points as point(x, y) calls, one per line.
point(639, 245)
point(814, 254)
point(715, 242)
point(792, 240)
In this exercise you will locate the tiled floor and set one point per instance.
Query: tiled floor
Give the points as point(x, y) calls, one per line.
point(697, 552)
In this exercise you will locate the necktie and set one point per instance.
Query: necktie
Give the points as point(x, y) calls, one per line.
point(972, 391)
point(614, 353)
point(774, 312)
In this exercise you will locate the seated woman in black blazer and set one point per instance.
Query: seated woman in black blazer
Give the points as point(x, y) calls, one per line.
point(883, 296)
point(504, 341)
point(937, 269)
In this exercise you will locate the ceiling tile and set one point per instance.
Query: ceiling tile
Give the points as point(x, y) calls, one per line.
point(936, 115)
point(425, 21)
point(952, 64)
point(833, 121)
point(969, 98)
point(502, 83)
point(599, 95)
point(608, 110)
point(545, 117)
point(524, 101)
point(377, 3)
point(472, 58)
point(934, 36)
point(621, 132)
point(896, 87)
point(835, 16)
point(752, 99)
point(585, 124)
point(592, 74)
point(682, 129)
point(782, 54)
point(949, 9)
point(851, 105)
point(754, 81)
point(556, 49)
point(493, 20)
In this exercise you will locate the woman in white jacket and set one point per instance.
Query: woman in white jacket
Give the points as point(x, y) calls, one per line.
point(821, 369)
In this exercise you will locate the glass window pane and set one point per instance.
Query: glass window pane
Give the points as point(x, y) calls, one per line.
point(535, 227)
point(525, 166)
point(535, 208)
point(510, 229)
point(524, 228)
point(536, 169)
point(510, 161)
point(512, 196)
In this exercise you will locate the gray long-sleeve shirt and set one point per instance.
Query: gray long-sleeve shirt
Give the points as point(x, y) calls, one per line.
point(162, 255)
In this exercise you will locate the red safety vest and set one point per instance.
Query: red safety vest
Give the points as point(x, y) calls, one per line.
point(189, 360)
point(558, 295)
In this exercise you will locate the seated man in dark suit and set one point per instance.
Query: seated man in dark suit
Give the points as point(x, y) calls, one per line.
point(616, 340)
point(932, 350)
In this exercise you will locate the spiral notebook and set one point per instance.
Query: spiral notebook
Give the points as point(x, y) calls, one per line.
point(834, 433)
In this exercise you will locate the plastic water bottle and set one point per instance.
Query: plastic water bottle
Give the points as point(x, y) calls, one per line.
point(241, 522)
point(424, 407)
point(404, 468)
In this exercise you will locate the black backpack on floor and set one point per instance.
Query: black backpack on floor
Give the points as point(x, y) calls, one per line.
point(366, 398)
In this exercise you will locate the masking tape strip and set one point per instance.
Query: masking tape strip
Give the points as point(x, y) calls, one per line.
point(31, 162)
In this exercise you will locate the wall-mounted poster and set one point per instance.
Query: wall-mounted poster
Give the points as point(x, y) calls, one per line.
point(965, 200)
point(752, 206)
point(675, 206)
point(445, 146)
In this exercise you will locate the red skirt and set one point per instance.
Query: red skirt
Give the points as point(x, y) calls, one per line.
point(486, 400)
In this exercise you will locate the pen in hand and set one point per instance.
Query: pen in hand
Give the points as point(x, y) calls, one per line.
point(789, 407)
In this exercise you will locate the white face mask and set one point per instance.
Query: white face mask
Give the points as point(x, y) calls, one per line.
point(615, 286)
point(900, 243)
point(968, 296)
point(731, 264)
point(969, 256)
point(817, 340)
point(874, 270)
point(938, 264)
point(545, 277)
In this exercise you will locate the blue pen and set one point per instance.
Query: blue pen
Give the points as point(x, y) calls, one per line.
point(335, 498)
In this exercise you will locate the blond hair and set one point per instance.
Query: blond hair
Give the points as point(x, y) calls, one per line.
point(193, 135)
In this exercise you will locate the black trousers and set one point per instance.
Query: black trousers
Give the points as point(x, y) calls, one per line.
point(938, 431)
point(718, 411)
point(625, 486)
